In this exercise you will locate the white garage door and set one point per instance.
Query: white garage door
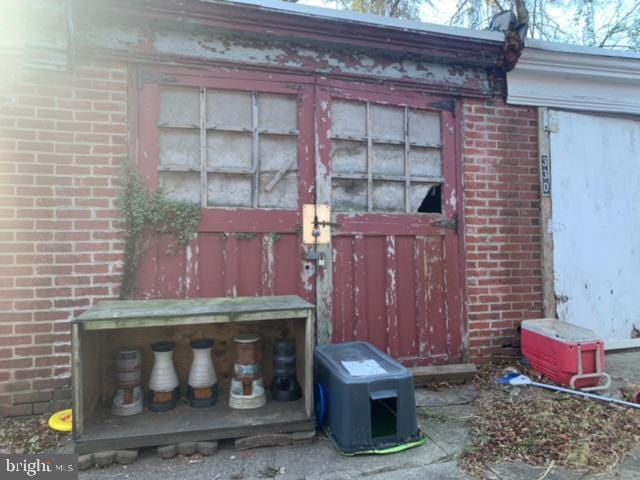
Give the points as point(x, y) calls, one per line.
point(595, 179)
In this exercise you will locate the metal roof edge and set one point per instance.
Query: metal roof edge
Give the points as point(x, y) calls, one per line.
point(345, 16)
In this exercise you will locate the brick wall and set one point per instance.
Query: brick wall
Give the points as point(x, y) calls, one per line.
point(62, 140)
point(502, 211)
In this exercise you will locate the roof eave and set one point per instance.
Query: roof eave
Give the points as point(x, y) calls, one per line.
point(443, 44)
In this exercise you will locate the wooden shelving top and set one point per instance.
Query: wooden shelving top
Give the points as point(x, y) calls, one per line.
point(150, 313)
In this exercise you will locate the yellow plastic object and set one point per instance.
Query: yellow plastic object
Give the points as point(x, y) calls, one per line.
point(61, 421)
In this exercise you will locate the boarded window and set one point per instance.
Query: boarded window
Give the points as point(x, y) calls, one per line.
point(225, 148)
point(385, 158)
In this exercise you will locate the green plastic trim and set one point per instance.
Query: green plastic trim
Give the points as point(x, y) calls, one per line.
point(382, 451)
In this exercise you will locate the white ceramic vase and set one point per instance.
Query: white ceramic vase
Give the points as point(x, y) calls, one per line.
point(203, 382)
point(202, 373)
point(163, 375)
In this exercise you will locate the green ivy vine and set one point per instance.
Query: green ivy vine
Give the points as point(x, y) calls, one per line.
point(143, 212)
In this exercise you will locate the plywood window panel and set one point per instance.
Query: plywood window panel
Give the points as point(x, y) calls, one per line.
point(227, 148)
point(181, 186)
point(385, 158)
point(348, 157)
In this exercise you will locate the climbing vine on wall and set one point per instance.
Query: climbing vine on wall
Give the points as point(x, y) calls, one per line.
point(145, 212)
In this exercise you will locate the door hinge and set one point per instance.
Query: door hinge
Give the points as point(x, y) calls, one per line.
point(450, 223)
point(551, 121)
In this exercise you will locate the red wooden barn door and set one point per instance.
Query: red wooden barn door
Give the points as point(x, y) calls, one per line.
point(387, 167)
point(242, 147)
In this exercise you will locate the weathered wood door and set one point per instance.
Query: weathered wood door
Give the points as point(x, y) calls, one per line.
point(252, 152)
point(242, 146)
point(387, 167)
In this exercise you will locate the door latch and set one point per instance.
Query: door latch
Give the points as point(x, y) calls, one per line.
point(316, 225)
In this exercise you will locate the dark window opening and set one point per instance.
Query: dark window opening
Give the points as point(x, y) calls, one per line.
point(432, 202)
point(384, 417)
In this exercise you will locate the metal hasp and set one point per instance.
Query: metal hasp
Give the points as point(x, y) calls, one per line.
point(316, 224)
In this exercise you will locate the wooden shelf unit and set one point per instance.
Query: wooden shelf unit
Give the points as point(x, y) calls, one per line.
point(100, 331)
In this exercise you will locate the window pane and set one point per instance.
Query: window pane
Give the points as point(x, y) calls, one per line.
point(278, 113)
point(278, 152)
point(387, 123)
point(180, 106)
point(349, 195)
point(229, 149)
point(388, 196)
point(284, 193)
point(229, 109)
point(425, 162)
point(179, 148)
point(226, 190)
point(388, 159)
point(348, 119)
point(424, 127)
point(425, 191)
point(182, 186)
point(348, 157)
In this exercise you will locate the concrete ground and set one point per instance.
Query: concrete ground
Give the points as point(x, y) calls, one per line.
point(444, 423)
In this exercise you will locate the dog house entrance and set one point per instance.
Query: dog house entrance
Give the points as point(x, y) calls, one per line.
point(384, 416)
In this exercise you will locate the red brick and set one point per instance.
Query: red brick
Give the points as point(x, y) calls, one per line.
point(16, 340)
point(32, 373)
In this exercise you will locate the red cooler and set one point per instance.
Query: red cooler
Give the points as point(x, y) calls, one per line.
point(567, 354)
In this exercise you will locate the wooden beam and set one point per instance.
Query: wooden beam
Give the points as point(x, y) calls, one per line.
point(456, 373)
point(548, 287)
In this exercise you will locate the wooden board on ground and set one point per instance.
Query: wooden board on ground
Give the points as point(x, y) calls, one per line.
point(456, 373)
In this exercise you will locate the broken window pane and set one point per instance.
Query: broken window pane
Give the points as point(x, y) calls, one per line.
point(424, 127)
point(388, 196)
point(179, 148)
point(425, 162)
point(181, 186)
point(348, 119)
point(388, 159)
point(426, 197)
point(283, 193)
point(349, 195)
point(278, 113)
point(229, 149)
point(226, 190)
point(180, 106)
point(229, 109)
point(387, 123)
point(348, 157)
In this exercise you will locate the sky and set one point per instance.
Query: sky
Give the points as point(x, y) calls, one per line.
point(445, 10)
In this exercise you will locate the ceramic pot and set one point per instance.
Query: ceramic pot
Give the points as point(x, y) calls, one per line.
point(164, 389)
point(203, 382)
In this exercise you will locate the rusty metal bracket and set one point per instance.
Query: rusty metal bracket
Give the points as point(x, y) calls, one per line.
point(451, 224)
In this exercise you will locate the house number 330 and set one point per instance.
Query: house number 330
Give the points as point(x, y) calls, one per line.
point(545, 172)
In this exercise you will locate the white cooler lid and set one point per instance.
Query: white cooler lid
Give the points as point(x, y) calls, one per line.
point(552, 328)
